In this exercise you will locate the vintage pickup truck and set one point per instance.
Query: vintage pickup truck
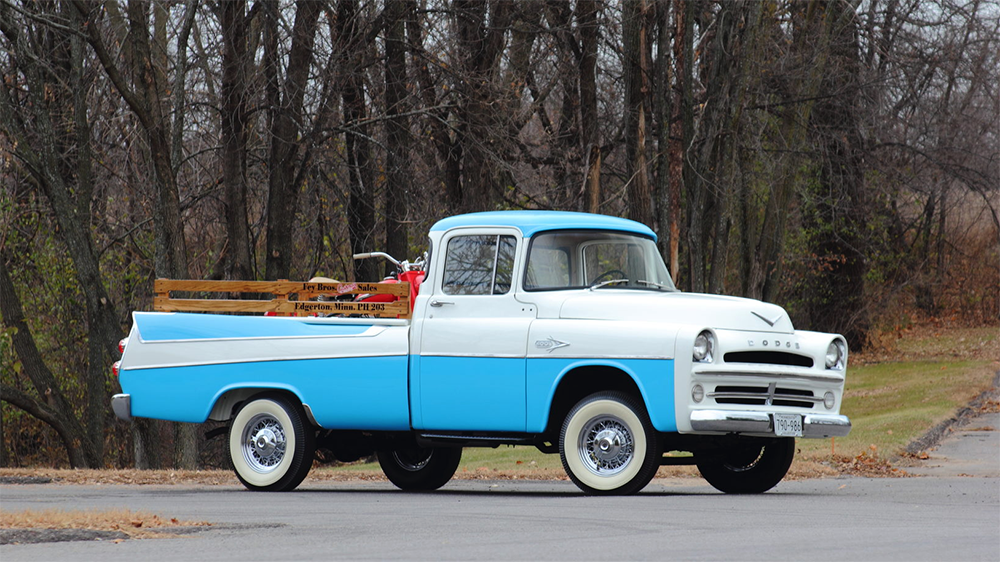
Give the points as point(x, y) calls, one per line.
point(561, 331)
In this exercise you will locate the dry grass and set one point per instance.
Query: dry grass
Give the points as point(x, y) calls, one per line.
point(134, 524)
point(117, 476)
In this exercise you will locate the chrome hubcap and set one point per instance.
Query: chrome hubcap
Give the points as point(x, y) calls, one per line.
point(263, 443)
point(606, 445)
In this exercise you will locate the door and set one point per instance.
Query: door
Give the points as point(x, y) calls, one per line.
point(470, 370)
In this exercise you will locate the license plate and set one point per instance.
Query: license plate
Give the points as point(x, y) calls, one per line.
point(788, 425)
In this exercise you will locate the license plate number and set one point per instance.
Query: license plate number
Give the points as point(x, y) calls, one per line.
point(788, 425)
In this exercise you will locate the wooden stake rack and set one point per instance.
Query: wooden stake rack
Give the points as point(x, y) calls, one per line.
point(282, 303)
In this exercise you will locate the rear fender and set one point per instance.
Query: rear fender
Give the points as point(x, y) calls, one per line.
point(228, 401)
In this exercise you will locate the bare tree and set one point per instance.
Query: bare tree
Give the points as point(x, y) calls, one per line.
point(637, 68)
point(400, 188)
point(37, 103)
point(286, 116)
point(235, 112)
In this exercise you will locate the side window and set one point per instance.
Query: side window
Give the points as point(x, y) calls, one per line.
point(479, 265)
point(505, 265)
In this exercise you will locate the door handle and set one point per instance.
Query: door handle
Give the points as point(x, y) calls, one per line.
point(437, 303)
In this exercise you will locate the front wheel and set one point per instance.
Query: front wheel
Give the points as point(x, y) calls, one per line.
point(270, 444)
point(420, 468)
point(608, 445)
point(749, 470)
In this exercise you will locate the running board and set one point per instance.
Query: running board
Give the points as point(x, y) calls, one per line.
point(458, 440)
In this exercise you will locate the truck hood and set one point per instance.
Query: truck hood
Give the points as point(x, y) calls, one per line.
point(715, 311)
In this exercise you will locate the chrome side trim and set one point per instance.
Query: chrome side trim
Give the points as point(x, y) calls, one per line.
point(814, 426)
point(122, 406)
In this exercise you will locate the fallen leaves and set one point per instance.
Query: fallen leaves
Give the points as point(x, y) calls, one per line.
point(989, 407)
point(868, 464)
point(134, 524)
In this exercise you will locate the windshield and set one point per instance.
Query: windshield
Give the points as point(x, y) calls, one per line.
point(575, 259)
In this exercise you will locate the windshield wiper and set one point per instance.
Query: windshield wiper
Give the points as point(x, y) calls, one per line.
point(608, 282)
point(655, 284)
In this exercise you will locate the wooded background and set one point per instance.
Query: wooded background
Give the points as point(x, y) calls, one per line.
point(838, 158)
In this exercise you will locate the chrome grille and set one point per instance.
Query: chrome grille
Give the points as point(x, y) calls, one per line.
point(770, 395)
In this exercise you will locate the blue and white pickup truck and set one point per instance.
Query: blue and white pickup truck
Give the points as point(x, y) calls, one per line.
point(557, 330)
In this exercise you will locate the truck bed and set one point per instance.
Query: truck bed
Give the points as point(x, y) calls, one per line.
point(350, 373)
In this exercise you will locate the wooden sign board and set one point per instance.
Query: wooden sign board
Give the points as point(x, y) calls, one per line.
point(282, 302)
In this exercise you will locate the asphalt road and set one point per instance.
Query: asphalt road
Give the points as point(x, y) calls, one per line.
point(929, 518)
point(950, 513)
point(970, 449)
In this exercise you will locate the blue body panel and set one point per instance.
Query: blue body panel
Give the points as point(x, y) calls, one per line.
point(489, 394)
point(350, 393)
point(181, 326)
point(469, 393)
point(654, 377)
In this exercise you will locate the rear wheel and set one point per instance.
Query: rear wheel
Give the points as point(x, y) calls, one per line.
point(749, 470)
point(270, 444)
point(420, 468)
point(608, 445)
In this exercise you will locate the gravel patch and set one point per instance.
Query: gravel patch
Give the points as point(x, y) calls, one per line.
point(36, 536)
point(25, 480)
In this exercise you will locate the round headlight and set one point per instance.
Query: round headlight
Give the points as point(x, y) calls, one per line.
point(704, 347)
point(828, 400)
point(835, 355)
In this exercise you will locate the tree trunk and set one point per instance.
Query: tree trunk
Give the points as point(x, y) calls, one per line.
point(715, 152)
point(234, 111)
point(361, 176)
point(4, 451)
point(397, 162)
point(287, 115)
point(446, 141)
point(663, 109)
point(639, 195)
point(682, 127)
point(480, 47)
point(586, 13)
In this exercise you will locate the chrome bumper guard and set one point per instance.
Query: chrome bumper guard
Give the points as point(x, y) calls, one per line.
point(122, 406)
point(814, 426)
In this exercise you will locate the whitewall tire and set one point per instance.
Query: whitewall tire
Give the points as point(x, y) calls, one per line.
point(608, 445)
point(271, 446)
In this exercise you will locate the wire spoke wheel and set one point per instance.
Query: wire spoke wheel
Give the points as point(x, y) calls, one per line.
point(264, 443)
point(606, 445)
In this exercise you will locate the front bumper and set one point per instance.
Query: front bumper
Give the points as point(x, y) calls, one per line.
point(122, 406)
point(761, 424)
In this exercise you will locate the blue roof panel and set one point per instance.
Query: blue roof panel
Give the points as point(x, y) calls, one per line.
point(533, 222)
